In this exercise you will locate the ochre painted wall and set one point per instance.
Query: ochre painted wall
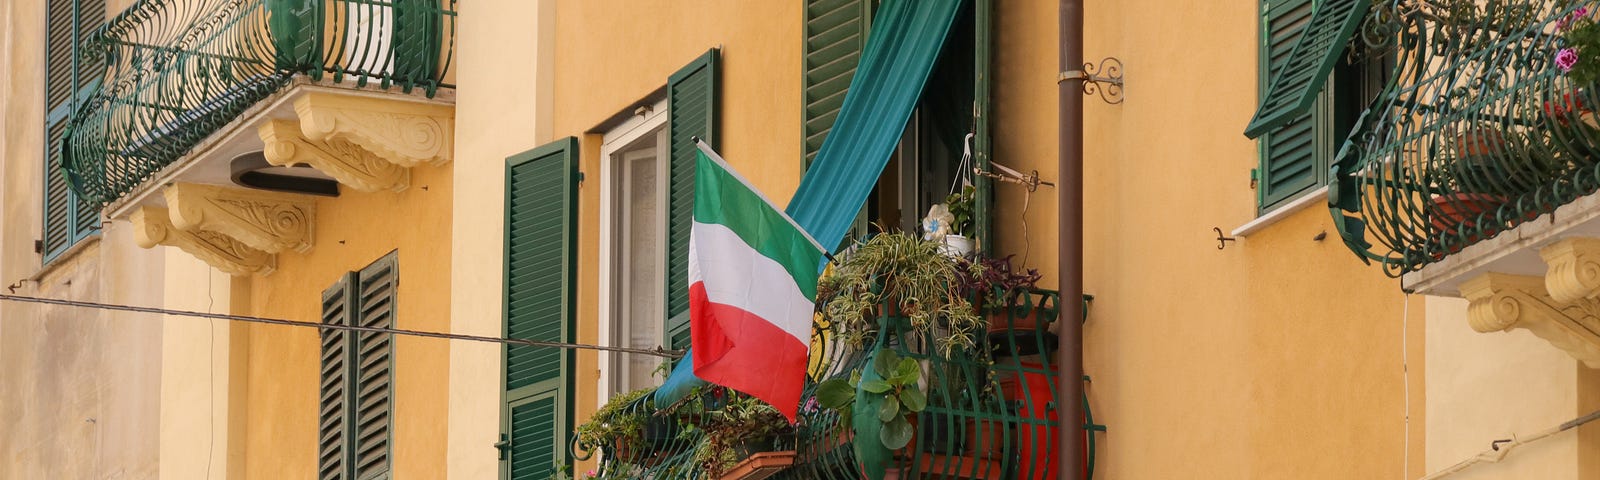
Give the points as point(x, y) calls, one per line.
point(1277, 357)
point(351, 231)
point(612, 53)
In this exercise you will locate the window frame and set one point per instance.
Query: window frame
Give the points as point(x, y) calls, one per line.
point(615, 142)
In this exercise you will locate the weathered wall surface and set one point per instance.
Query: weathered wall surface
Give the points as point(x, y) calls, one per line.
point(79, 389)
point(351, 231)
point(1277, 357)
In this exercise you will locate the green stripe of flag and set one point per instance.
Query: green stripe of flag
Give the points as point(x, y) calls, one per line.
point(722, 197)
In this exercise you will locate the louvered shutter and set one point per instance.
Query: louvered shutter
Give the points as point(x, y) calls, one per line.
point(416, 42)
point(1292, 156)
point(836, 31)
point(334, 420)
point(70, 73)
point(1300, 67)
point(692, 100)
point(371, 406)
point(541, 230)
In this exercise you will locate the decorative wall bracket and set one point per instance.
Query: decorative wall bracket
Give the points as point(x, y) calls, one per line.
point(346, 162)
point(267, 221)
point(1104, 79)
point(405, 133)
point(152, 226)
point(1574, 269)
point(1499, 302)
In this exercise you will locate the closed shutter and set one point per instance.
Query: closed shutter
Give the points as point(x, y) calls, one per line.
point(372, 407)
point(416, 43)
point(70, 74)
point(333, 416)
point(541, 231)
point(692, 100)
point(1303, 53)
point(1292, 156)
point(836, 31)
point(355, 407)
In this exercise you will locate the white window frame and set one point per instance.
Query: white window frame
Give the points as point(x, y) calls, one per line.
point(615, 141)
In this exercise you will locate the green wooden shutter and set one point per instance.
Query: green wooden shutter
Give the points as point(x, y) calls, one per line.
point(692, 100)
point(1293, 156)
point(333, 417)
point(1299, 71)
point(372, 405)
point(70, 73)
point(416, 42)
point(540, 256)
point(983, 142)
point(836, 31)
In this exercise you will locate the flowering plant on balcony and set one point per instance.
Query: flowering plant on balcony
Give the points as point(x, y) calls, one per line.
point(1579, 55)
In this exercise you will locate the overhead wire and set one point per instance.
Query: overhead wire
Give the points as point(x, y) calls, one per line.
point(658, 351)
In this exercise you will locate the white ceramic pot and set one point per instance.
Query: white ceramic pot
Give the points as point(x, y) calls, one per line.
point(957, 245)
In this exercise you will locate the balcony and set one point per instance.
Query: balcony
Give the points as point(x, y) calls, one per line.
point(200, 95)
point(990, 413)
point(1475, 173)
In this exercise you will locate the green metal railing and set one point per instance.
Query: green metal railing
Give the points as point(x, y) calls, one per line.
point(1478, 131)
point(990, 414)
point(176, 71)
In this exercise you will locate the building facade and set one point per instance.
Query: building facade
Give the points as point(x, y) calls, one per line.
point(523, 169)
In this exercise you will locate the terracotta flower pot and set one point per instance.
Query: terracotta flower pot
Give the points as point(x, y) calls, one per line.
point(1452, 211)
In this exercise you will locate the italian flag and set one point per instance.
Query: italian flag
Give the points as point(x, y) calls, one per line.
point(752, 288)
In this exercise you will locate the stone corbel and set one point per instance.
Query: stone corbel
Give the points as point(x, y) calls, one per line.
point(1574, 272)
point(404, 132)
point(266, 221)
point(1499, 302)
point(152, 226)
point(346, 162)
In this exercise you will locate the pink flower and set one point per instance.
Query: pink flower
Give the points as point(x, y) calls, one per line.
point(1581, 11)
point(1566, 59)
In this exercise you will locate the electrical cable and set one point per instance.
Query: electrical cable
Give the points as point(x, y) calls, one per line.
point(658, 351)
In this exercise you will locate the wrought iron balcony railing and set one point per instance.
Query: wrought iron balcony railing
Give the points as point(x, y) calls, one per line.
point(990, 414)
point(1478, 131)
point(176, 71)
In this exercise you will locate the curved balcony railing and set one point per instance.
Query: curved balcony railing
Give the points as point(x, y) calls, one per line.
point(176, 71)
point(1480, 130)
point(990, 414)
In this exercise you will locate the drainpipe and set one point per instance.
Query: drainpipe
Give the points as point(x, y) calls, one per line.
point(1069, 208)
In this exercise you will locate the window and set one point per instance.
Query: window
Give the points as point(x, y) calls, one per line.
point(354, 424)
point(541, 233)
point(636, 173)
point(1312, 92)
point(69, 78)
point(954, 103)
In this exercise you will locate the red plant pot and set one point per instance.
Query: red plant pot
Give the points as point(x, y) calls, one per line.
point(1452, 211)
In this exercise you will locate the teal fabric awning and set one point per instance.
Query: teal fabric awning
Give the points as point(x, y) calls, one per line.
point(901, 50)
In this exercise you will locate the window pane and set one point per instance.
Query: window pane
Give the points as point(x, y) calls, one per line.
point(642, 304)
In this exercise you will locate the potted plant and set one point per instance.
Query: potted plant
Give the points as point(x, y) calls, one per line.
point(1473, 184)
point(625, 425)
point(743, 427)
point(898, 275)
point(880, 402)
point(995, 287)
point(960, 241)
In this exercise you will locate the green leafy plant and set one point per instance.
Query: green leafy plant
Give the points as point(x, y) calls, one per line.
point(898, 388)
point(743, 426)
point(618, 422)
point(907, 275)
point(1579, 54)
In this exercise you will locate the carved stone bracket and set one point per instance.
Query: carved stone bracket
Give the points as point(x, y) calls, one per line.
point(1499, 302)
point(267, 221)
point(403, 132)
point(346, 162)
point(152, 226)
point(1574, 272)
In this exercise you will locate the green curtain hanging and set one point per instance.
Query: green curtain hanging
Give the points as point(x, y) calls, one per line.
point(901, 50)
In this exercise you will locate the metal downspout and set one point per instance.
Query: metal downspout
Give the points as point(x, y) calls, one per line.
point(1069, 357)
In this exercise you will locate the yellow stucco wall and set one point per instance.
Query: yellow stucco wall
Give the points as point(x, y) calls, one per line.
point(1277, 357)
point(351, 231)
